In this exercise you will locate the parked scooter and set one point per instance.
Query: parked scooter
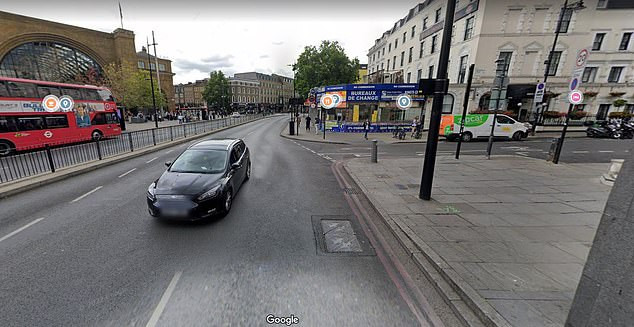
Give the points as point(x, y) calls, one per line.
point(605, 129)
point(627, 129)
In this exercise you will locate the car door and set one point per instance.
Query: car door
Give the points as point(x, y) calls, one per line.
point(504, 126)
point(236, 179)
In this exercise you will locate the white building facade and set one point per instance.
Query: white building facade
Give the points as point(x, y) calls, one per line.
point(522, 32)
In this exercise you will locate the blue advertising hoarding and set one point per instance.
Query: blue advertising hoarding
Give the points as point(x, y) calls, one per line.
point(375, 92)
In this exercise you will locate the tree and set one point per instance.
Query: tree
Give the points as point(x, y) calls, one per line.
point(326, 65)
point(217, 92)
point(131, 87)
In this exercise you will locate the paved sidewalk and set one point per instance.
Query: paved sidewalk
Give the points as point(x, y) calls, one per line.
point(510, 234)
point(386, 138)
point(130, 127)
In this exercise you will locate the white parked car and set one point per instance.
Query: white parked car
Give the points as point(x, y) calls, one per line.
point(479, 126)
point(235, 114)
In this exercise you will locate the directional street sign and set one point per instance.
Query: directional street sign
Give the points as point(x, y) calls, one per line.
point(577, 70)
point(403, 101)
point(575, 97)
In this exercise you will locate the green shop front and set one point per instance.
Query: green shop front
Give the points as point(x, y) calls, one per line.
point(373, 102)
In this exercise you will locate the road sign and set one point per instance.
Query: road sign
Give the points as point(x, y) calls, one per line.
point(575, 97)
point(48, 134)
point(577, 70)
point(50, 103)
point(66, 103)
point(313, 106)
point(327, 101)
point(539, 92)
point(403, 101)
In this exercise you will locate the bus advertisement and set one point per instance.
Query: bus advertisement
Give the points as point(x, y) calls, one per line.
point(34, 114)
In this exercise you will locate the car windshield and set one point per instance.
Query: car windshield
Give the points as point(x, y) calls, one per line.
point(200, 162)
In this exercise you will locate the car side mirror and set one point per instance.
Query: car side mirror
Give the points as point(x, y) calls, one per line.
point(235, 165)
point(168, 163)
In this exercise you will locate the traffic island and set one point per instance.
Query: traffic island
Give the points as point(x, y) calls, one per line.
point(509, 235)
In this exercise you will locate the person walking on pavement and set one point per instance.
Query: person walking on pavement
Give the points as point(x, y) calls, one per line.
point(298, 120)
point(308, 123)
point(317, 121)
point(366, 128)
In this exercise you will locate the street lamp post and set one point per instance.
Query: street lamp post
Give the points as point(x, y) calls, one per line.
point(575, 6)
point(149, 62)
point(500, 74)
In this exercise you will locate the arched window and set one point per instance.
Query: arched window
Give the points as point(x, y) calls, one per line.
point(50, 61)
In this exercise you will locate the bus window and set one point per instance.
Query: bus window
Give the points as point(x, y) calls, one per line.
point(4, 92)
point(91, 94)
point(99, 119)
point(7, 124)
point(22, 90)
point(44, 90)
point(105, 95)
point(57, 121)
point(73, 93)
point(29, 123)
point(112, 118)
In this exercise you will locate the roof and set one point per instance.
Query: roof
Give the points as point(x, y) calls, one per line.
point(22, 80)
point(215, 144)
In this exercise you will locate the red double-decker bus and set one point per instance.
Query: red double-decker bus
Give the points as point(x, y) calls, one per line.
point(24, 124)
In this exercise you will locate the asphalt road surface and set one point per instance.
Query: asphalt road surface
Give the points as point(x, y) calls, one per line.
point(85, 252)
point(575, 150)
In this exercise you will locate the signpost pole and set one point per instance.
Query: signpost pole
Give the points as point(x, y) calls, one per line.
point(560, 143)
point(464, 109)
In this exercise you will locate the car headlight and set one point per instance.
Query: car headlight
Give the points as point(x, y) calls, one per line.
point(150, 191)
point(213, 192)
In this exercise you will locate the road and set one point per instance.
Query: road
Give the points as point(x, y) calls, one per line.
point(85, 252)
point(575, 150)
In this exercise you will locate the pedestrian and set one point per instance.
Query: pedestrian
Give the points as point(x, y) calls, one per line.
point(414, 124)
point(317, 125)
point(308, 123)
point(298, 120)
point(366, 128)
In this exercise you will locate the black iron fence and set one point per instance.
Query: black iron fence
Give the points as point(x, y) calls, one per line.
point(31, 163)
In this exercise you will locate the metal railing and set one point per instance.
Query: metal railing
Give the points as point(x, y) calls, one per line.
point(52, 158)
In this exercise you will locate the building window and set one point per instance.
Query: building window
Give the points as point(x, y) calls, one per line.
point(394, 63)
point(413, 31)
point(447, 104)
point(589, 74)
point(430, 72)
point(602, 3)
point(615, 74)
point(404, 37)
point(388, 64)
point(141, 64)
point(162, 67)
point(554, 63)
point(409, 77)
point(419, 75)
point(395, 43)
point(463, 69)
point(565, 21)
point(438, 12)
point(598, 41)
point(402, 58)
point(625, 41)
point(373, 57)
point(468, 31)
point(434, 42)
point(383, 52)
point(425, 23)
point(411, 52)
point(505, 58)
point(602, 114)
point(381, 66)
point(389, 47)
point(422, 50)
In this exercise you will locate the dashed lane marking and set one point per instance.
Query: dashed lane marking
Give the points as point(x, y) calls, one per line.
point(164, 299)
point(21, 229)
point(151, 160)
point(87, 194)
point(127, 172)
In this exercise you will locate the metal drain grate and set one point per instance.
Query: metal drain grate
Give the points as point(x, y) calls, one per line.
point(340, 236)
point(382, 176)
point(348, 190)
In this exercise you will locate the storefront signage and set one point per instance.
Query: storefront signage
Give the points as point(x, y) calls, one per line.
point(363, 96)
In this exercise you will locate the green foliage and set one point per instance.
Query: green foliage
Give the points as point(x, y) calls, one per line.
point(553, 114)
point(578, 114)
point(326, 65)
point(217, 92)
point(131, 87)
point(619, 103)
point(619, 114)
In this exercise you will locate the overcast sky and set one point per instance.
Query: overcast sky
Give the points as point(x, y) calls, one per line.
point(231, 35)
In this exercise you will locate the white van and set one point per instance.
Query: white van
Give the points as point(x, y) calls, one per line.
point(479, 126)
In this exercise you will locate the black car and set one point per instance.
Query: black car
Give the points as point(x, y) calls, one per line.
point(202, 181)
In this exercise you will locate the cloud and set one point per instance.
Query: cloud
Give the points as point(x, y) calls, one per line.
point(264, 56)
point(218, 59)
point(278, 43)
point(205, 65)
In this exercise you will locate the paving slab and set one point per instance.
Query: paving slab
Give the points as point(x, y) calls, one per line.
point(511, 235)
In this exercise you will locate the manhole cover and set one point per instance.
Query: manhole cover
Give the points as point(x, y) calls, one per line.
point(340, 236)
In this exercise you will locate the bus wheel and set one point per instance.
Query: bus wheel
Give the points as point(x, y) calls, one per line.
point(96, 135)
point(6, 148)
point(466, 137)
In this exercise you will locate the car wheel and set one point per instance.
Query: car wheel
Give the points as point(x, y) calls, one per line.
point(467, 137)
point(517, 136)
point(6, 148)
point(616, 135)
point(228, 201)
point(247, 174)
point(96, 135)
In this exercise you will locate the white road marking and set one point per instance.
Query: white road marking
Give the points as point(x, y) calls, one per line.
point(580, 151)
point(127, 172)
point(87, 194)
point(168, 151)
point(21, 229)
point(151, 160)
point(250, 133)
point(606, 151)
point(163, 302)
